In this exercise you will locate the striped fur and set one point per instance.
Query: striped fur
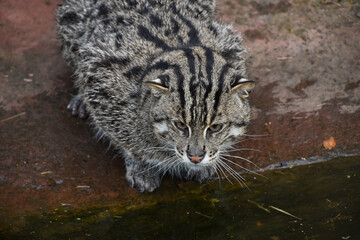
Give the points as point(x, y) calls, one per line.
point(156, 77)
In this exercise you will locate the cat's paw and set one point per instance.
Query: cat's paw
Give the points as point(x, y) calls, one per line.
point(142, 182)
point(77, 107)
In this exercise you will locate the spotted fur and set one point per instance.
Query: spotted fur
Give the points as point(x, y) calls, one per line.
point(161, 79)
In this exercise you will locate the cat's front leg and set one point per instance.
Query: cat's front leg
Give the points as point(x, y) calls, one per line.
point(142, 177)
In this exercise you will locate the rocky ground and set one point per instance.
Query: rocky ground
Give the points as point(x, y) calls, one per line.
point(304, 56)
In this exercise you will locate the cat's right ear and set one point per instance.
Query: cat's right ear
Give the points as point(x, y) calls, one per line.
point(156, 83)
point(159, 85)
point(206, 5)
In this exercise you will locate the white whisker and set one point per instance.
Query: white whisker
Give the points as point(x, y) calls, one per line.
point(233, 171)
point(151, 148)
point(227, 168)
point(244, 168)
point(241, 180)
point(169, 166)
point(238, 157)
point(242, 149)
point(256, 135)
point(223, 172)
point(159, 164)
point(216, 171)
point(176, 168)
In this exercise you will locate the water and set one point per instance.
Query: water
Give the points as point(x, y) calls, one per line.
point(325, 196)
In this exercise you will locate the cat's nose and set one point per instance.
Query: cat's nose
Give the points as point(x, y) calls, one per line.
point(195, 159)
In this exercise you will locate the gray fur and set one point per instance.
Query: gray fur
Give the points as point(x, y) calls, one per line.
point(161, 79)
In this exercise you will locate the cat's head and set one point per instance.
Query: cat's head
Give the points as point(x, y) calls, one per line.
point(199, 103)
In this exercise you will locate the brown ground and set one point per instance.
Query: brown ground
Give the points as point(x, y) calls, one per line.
point(304, 56)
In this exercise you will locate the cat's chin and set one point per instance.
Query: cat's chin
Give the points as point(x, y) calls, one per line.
point(198, 166)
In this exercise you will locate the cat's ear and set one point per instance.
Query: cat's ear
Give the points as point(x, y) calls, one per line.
point(159, 85)
point(242, 86)
point(210, 4)
point(207, 6)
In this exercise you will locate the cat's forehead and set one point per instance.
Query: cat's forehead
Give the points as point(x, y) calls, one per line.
point(200, 84)
point(190, 55)
point(197, 66)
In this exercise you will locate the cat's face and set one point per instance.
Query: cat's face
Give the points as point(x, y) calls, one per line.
point(200, 104)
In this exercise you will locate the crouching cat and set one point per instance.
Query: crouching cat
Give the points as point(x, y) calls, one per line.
point(162, 80)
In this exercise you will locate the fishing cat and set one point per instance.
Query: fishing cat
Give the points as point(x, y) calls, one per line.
point(162, 80)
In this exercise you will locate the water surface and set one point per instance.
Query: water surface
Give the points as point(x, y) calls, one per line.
point(325, 196)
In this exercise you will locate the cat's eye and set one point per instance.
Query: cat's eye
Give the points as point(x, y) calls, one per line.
point(215, 128)
point(180, 125)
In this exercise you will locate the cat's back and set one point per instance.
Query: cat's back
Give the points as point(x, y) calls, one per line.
point(132, 28)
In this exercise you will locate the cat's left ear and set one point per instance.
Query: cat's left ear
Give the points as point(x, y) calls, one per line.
point(242, 86)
